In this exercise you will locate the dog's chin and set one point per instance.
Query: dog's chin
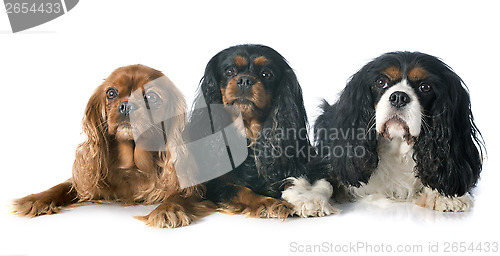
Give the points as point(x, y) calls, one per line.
point(395, 127)
point(124, 132)
point(246, 107)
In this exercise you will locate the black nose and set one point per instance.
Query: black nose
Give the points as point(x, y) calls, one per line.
point(245, 82)
point(125, 108)
point(399, 99)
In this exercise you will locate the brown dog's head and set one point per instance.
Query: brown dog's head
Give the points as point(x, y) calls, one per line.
point(136, 106)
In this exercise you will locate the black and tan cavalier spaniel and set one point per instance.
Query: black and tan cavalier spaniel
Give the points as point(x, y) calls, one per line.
point(403, 129)
point(259, 83)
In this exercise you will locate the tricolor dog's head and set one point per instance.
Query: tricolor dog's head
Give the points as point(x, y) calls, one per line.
point(416, 97)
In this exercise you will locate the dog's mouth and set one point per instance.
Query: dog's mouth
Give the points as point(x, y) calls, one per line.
point(124, 131)
point(396, 127)
point(125, 125)
point(243, 101)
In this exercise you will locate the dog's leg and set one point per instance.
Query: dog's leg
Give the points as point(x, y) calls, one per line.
point(249, 203)
point(47, 202)
point(177, 211)
point(310, 200)
point(432, 199)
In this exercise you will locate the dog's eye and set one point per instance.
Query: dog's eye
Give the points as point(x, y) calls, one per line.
point(424, 87)
point(230, 72)
point(267, 75)
point(152, 98)
point(111, 93)
point(382, 82)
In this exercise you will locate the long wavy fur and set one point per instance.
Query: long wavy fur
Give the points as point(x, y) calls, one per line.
point(264, 175)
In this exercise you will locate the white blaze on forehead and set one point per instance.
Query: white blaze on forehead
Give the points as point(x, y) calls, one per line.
point(410, 114)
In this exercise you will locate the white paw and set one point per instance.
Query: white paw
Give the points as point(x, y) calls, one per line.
point(432, 199)
point(310, 200)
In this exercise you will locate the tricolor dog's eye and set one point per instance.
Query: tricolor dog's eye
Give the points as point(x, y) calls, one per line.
point(424, 87)
point(382, 82)
point(267, 75)
point(230, 72)
point(111, 93)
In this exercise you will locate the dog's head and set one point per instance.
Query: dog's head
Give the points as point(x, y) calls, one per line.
point(259, 82)
point(416, 97)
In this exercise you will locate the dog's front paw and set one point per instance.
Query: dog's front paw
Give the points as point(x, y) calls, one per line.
point(310, 200)
point(35, 205)
point(262, 207)
point(167, 215)
point(432, 199)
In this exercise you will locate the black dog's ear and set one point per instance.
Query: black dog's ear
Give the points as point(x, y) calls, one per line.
point(285, 132)
point(449, 151)
point(208, 93)
point(209, 86)
point(288, 109)
point(345, 133)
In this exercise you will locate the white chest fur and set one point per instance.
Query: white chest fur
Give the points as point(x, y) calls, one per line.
point(394, 177)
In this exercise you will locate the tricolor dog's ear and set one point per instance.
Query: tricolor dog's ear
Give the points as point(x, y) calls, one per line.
point(449, 151)
point(353, 157)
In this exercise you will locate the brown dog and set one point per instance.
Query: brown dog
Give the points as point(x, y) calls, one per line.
point(112, 165)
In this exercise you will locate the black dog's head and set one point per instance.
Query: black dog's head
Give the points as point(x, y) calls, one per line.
point(248, 79)
point(419, 98)
point(258, 82)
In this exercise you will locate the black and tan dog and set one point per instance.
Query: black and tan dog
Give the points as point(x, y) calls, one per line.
point(258, 81)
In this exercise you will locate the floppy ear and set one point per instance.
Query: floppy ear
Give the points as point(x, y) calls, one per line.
point(285, 132)
point(92, 161)
point(209, 86)
point(449, 153)
point(179, 168)
point(345, 133)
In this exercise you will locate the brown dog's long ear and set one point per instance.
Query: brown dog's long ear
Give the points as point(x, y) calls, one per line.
point(92, 161)
point(179, 168)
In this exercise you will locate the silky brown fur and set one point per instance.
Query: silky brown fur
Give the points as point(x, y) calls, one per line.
point(250, 204)
point(110, 166)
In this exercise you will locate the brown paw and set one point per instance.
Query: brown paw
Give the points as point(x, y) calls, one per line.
point(169, 215)
point(35, 205)
point(266, 208)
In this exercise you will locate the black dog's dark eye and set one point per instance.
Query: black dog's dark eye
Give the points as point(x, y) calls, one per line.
point(111, 93)
point(382, 82)
point(424, 87)
point(230, 72)
point(267, 75)
point(152, 98)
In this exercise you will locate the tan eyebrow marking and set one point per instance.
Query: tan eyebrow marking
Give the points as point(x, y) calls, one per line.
point(417, 73)
point(393, 73)
point(261, 61)
point(240, 60)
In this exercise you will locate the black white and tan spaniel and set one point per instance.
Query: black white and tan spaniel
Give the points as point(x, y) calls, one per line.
point(259, 83)
point(403, 129)
point(122, 160)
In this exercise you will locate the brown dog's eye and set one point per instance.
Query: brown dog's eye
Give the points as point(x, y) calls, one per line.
point(152, 98)
point(267, 75)
point(382, 82)
point(230, 72)
point(424, 87)
point(111, 93)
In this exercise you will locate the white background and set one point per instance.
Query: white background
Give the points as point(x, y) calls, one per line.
point(48, 73)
